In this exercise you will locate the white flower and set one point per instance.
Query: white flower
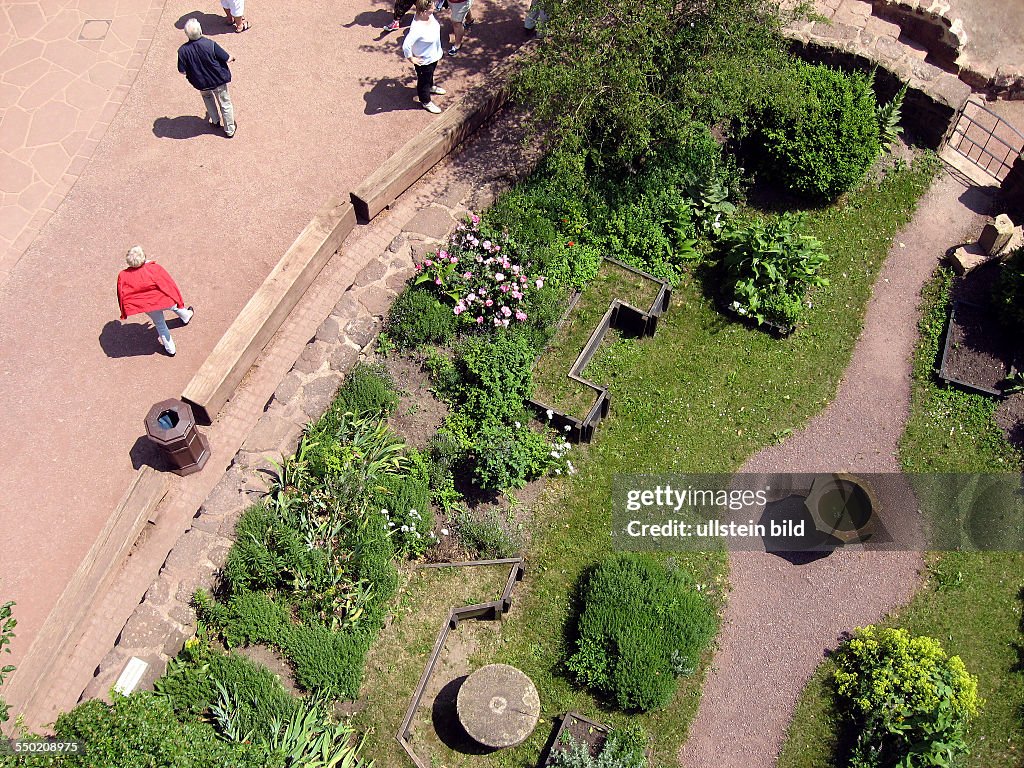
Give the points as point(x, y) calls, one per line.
point(567, 427)
point(518, 425)
point(444, 531)
point(550, 413)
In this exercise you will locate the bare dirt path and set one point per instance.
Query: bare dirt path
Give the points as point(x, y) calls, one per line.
point(322, 98)
point(781, 618)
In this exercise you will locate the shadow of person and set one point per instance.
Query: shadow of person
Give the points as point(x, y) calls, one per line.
point(376, 19)
point(128, 340)
point(211, 23)
point(146, 453)
point(183, 127)
point(390, 95)
point(445, 717)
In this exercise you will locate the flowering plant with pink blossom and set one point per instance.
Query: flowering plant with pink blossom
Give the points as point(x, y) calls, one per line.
point(480, 273)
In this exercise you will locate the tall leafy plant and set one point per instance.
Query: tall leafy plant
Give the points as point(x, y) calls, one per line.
point(7, 625)
point(889, 116)
point(769, 266)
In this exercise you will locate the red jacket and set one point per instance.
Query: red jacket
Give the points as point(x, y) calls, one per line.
point(146, 289)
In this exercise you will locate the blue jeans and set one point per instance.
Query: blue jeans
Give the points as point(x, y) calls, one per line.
point(161, 325)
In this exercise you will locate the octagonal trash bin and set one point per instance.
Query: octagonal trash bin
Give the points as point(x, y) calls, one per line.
point(172, 426)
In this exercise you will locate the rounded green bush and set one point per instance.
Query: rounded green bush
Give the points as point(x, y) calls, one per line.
point(823, 144)
point(368, 389)
point(642, 626)
point(418, 317)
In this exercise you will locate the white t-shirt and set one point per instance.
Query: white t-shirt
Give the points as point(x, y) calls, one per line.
point(423, 40)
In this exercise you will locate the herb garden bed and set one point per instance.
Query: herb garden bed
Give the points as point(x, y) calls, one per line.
point(611, 301)
point(582, 730)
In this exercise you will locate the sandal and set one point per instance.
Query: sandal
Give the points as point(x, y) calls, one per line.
point(245, 26)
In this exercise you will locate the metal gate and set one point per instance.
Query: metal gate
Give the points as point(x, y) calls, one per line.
point(985, 139)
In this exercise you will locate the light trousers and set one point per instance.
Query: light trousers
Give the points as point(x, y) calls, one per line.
point(161, 325)
point(219, 109)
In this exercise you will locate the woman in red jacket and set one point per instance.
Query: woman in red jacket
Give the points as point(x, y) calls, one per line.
point(146, 287)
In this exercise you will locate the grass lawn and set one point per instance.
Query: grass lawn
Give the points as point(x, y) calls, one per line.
point(972, 601)
point(550, 376)
point(701, 396)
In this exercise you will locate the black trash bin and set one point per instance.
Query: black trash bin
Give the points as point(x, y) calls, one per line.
point(172, 425)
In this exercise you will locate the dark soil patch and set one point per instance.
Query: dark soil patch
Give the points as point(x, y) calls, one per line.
point(275, 662)
point(978, 351)
point(1009, 417)
point(419, 412)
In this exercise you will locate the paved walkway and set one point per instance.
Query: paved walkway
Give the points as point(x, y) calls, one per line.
point(322, 99)
point(780, 618)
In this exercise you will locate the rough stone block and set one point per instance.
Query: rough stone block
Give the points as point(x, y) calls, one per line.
point(347, 305)
point(968, 257)
point(312, 357)
point(996, 235)
point(454, 194)
point(318, 394)
point(175, 640)
point(328, 330)
point(397, 281)
point(376, 300)
point(159, 592)
point(396, 244)
point(190, 552)
point(362, 330)
point(371, 273)
point(146, 628)
point(185, 615)
point(344, 357)
point(202, 577)
point(288, 387)
point(433, 222)
point(226, 494)
point(271, 434)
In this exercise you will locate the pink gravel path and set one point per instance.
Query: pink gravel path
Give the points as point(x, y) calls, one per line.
point(781, 618)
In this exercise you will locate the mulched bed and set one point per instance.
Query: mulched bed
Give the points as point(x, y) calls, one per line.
point(978, 351)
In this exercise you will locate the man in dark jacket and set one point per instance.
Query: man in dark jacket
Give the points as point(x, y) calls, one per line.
point(205, 66)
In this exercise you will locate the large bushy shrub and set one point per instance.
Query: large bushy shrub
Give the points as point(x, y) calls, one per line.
point(142, 731)
point(1008, 297)
point(418, 317)
point(494, 377)
point(769, 266)
point(822, 142)
point(642, 625)
point(908, 703)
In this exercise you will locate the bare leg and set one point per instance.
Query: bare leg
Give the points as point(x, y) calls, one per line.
point(231, 19)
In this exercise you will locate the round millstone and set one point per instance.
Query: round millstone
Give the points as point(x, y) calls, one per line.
point(498, 706)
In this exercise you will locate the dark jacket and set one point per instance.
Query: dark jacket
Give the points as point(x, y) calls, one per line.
point(204, 64)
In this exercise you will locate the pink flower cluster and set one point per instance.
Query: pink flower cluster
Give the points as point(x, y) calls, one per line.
point(477, 274)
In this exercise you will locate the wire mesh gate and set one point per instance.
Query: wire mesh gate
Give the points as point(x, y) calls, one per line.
point(985, 139)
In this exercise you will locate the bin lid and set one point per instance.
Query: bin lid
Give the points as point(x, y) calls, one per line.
point(169, 420)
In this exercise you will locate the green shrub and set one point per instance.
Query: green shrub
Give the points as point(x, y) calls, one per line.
point(642, 625)
point(260, 697)
point(495, 377)
point(246, 618)
point(489, 536)
point(265, 549)
point(405, 499)
point(507, 456)
point(331, 662)
point(141, 731)
point(909, 704)
point(824, 145)
point(1008, 295)
point(769, 267)
point(417, 317)
point(368, 389)
point(623, 748)
point(374, 551)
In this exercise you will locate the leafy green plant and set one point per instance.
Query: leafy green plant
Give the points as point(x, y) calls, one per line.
point(312, 738)
point(368, 389)
point(641, 625)
point(908, 702)
point(494, 377)
point(7, 625)
point(404, 500)
point(823, 146)
point(769, 267)
point(622, 748)
point(487, 535)
point(417, 317)
point(710, 204)
point(507, 456)
point(889, 116)
point(326, 661)
point(1008, 293)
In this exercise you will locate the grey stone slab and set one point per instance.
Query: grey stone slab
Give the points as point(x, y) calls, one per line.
point(190, 552)
point(175, 639)
point(371, 273)
point(344, 357)
point(159, 592)
point(203, 576)
point(362, 330)
point(432, 221)
point(318, 394)
point(347, 305)
point(145, 629)
point(288, 387)
point(396, 244)
point(454, 194)
point(184, 615)
point(328, 330)
point(376, 300)
point(272, 433)
point(312, 357)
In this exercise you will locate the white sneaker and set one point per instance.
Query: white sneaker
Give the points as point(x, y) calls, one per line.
point(432, 108)
point(438, 90)
point(169, 346)
point(188, 317)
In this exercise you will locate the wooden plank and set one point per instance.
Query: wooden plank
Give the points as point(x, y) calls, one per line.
point(89, 581)
point(380, 189)
point(216, 380)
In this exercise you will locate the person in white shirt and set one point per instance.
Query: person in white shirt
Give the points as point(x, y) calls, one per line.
point(422, 47)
